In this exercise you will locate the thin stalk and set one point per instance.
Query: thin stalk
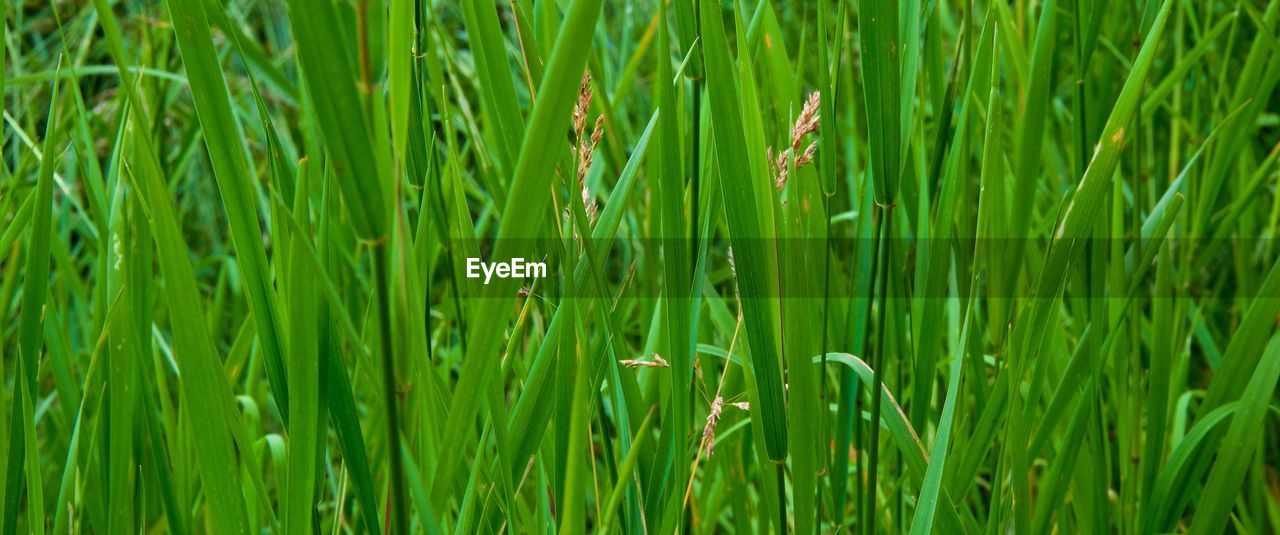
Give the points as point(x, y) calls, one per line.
point(399, 515)
point(866, 500)
point(877, 362)
point(447, 247)
point(826, 348)
point(695, 133)
point(781, 471)
point(362, 28)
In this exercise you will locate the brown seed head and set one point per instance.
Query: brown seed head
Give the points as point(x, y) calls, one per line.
point(598, 131)
point(807, 122)
point(709, 430)
point(582, 107)
point(806, 157)
point(657, 362)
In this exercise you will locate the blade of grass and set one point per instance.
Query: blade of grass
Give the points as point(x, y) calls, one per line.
point(742, 212)
point(30, 340)
point(533, 173)
point(304, 374)
point(332, 83)
point(231, 170)
point(927, 504)
point(1219, 496)
point(205, 389)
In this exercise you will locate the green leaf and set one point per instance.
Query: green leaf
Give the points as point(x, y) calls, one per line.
point(737, 184)
point(882, 77)
point(332, 84)
point(533, 174)
point(235, 183)
point(1236, 450)
point(30, 340)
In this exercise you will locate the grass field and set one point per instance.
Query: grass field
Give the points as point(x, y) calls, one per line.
point(834, 266)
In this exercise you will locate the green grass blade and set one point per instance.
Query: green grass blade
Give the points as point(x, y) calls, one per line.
point(332, 83)
point(533, 173)
point(927, 504)
point(1237, 448)
point(882, 76)
point(737, 184)
point(304, 375)
point(30, 339)
point(231, 169)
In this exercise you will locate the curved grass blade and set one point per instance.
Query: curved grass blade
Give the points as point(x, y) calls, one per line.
point(895, 420)
point(1236, 451)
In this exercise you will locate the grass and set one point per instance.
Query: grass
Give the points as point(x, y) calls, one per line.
point(834, 266)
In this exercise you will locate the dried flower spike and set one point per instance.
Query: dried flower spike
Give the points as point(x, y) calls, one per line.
point(709, 430)
point(806, 123)
point(657, 362)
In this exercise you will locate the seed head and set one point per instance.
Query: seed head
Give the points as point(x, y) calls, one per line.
point(598, 131)
point(709, 430)
point(713, 418)
point(585, 147)
point(583, 106)
point(657, 362)
point(806, 157)
point(807, 122)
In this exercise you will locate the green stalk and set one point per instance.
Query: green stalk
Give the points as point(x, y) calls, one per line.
point(877, 362)
point(399, 515)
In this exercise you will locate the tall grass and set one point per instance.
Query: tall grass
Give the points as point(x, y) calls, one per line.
point(830, 266)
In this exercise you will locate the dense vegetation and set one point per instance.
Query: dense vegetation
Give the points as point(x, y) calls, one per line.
point(837, 265)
